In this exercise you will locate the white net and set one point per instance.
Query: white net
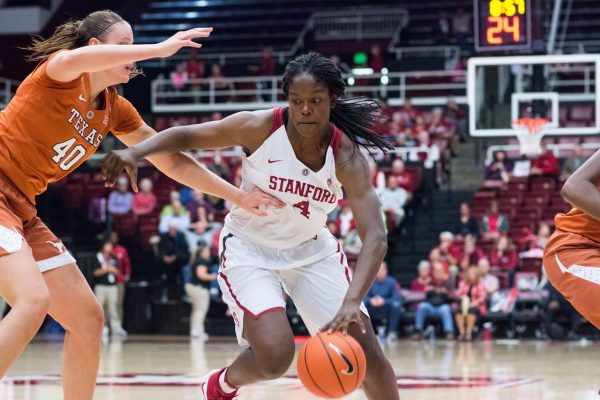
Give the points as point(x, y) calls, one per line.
point(530, 132)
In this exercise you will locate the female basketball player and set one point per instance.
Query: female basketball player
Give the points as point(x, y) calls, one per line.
point(302, 154)
point(57, 119)
point(572, 254)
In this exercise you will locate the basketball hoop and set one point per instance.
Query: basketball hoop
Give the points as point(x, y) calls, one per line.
point(530, 132)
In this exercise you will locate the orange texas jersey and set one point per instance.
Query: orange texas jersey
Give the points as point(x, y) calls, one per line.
point(49, 128)
point(576, 221)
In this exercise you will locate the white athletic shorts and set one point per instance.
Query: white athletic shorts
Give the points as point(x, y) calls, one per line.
point(253, 277)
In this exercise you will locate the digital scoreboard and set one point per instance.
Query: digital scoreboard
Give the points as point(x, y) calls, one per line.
point(502, 24)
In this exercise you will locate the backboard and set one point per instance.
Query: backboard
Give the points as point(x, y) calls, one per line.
point(560, 88)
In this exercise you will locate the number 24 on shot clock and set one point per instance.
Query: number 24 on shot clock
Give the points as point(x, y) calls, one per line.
point(502, 24)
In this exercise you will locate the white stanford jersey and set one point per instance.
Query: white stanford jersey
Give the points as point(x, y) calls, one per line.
point(309, 195)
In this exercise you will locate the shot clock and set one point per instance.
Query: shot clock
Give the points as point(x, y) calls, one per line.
point(502, 24)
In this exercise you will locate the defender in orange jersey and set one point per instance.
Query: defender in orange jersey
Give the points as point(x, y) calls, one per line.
point(572, 254)
point(59, 116)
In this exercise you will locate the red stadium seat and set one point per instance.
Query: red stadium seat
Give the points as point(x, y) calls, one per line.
point(126, 225)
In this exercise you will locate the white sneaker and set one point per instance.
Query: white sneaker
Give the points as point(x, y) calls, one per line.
point(121, 332)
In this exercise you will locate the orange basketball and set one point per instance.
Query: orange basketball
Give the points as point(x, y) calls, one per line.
point(331, 365)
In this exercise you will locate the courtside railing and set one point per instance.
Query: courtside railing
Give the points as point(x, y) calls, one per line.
point(427, 88)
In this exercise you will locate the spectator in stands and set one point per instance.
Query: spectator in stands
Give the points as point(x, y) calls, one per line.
point(573, 162)
point(198, 290)
point(436, 303)
point(106, 275)
point(195, 71)
point(436, 257)
point(124, 266)
point(504, 254)
point(472, 304)
point(393, 199)
point(428, 152)
point(220, 83)
point(545, 164)
point(383, 301)
point(376, 59)
point(533, 245)
point(503, 257)
point(219, 166)
point(342, 66)
point(442, 28)
point(345, 220)
point(179, 77)
point(404, 178)
point(469, 254)
point(490, 282)
point(500, 168)
point(174, 212)
point(557, 309)
point(174, 254)
point(423, 280)
point(543, 234)
point(446, 255)
point(440, 126)
point(494, 224)
point(458, 117)
point(409, 113)
point(199, 200)
point(461, 27)
point(377, 176)
point(119, 201)
point(144, 202)
point(267, 68)
point(202, 229)
point(466, 224)
point(418, 127)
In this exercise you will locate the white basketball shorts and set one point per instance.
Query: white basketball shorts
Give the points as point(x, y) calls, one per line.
point(253, 278)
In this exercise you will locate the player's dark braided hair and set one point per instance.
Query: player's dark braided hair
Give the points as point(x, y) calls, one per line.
point(355, 116)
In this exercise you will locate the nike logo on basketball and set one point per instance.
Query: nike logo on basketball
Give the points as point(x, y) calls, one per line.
point(350, 369)
point(590, 274)
point(82, 98)
point(273, 161)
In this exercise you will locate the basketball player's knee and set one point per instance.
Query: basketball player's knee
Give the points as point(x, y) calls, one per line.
point(277, 361)
point(95, 316)
point(34, 305)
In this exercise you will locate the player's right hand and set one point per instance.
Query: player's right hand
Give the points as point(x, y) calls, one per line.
point(182, 39)
point(115, 162)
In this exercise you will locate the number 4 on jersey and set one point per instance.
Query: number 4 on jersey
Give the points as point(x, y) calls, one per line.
point(303, 206)
point(70, 159)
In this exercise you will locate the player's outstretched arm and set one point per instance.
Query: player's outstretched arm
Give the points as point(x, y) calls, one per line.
point(164, 150)
point(581, 189)
point(70, 64)
point(352, 171)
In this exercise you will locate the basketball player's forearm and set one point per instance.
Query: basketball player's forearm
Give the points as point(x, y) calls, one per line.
point(187, 171)
point(99, 58)
point(168, 142)
point(582, 194)
point(369, 260)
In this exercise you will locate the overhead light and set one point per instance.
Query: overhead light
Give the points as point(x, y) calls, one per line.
point(362, 71)
point(385, 80)
point(384, 71)
point(351, 81)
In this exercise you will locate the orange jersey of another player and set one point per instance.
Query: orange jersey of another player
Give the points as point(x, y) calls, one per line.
point(576, 221)
point(49, 128)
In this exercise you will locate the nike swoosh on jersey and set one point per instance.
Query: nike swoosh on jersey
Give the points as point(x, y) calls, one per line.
point(82, 98)
point(273, 161)
point(590, 274)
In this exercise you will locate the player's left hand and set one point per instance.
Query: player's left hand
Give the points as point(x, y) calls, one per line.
point(251, 202)
point(115, 162)
point(348, 314)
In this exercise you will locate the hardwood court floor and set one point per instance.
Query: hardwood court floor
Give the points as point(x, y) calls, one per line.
point(151, 368)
